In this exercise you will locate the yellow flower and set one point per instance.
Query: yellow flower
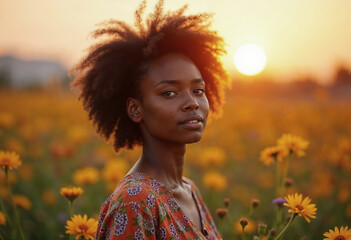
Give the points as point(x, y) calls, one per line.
point(9, 160)
point(2, 218)
point(49, 197)
point(271, 154)
point(4, 192)
point(214, 180)
point(293, 144)
point(7, 120)
point(213, 156)
point(344, 194)
point(78, 134)
point(71, 193)
point(22, 202)
point(82, 227)
point(114, 171)
point(301, 207)
point(86, 176)
point(343, 234)
point(61, 150)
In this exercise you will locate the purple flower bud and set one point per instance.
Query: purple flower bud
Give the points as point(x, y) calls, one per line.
point(279, 201)
point(62, 217)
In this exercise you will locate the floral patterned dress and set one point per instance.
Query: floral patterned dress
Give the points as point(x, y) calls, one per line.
point(143, 208)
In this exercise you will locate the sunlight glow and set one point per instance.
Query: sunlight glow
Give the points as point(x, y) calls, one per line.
point(250, 59)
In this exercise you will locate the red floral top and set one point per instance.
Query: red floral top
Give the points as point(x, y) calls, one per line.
point(143, 208)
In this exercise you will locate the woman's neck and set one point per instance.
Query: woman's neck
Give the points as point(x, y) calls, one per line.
point(163, 161)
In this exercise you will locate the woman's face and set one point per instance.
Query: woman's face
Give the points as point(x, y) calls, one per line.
point(173, 105)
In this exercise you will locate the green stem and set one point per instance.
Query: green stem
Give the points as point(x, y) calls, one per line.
point(221, 227)
point(2, 205)
point(70, 206)
point(250, 212)
point(287, 168)
point(286, 227)
point(1, 237)
point(276, 177)
point(279, 216)
point(243, 234)
point(13, 205)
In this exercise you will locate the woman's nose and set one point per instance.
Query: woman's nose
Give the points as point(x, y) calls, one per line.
point(190, 103)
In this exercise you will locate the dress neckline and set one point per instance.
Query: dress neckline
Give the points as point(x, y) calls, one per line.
point(193, 193)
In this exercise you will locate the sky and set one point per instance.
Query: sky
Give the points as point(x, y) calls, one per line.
point(301, 38)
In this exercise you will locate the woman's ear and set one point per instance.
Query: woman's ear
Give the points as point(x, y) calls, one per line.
point(134, 109)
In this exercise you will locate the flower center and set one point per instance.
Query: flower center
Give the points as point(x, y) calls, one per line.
point(275, 154)
point(299, 207)
point(340, 237)
point(5, 161)
point(83, 227)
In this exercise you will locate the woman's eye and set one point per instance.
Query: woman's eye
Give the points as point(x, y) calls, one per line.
point(199, 91)
point(168, 94)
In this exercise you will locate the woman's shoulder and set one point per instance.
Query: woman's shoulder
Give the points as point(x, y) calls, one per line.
point(135, 189)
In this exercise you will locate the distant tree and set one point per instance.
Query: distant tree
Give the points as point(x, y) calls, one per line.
point(5, 78)
point(342, 76)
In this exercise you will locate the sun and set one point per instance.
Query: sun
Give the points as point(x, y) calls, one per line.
point(250, 59)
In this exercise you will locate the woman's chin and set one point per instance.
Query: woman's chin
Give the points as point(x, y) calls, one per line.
point(194, 139)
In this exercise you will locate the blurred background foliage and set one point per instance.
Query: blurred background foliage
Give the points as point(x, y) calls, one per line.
point(46, 125)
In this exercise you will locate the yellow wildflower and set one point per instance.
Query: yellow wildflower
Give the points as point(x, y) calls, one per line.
point(61, 150)
point(344, 194)
point(213, 156)
point(2, 218)
point(271, 154)
point(9, 160)
point(71, 193)
point(293, 144)
point(4, 192)
point(114, 171)
point(343, 234)
point(78, 134)
point(49, 197)
point(86, 176)
point(22, 202)
point(7, 120)
point(301, 207)
point(82, 227)
point(214, 180)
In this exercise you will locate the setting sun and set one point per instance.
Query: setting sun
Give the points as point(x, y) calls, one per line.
point(250, 59)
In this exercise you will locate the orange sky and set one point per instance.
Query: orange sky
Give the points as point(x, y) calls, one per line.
point(300, 37)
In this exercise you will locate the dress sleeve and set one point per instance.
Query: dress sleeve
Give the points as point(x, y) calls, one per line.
point(128, 218)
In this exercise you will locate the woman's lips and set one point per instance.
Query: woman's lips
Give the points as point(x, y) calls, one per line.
point(192, 122)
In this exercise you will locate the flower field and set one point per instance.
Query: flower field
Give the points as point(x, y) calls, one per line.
point(239, 166)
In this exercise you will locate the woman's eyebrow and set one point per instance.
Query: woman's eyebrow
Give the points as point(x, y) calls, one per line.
point(196, 80)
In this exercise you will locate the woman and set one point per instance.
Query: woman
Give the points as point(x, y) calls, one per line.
point(146, 86)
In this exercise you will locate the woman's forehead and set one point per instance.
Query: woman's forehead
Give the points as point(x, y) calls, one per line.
point(172, 67)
